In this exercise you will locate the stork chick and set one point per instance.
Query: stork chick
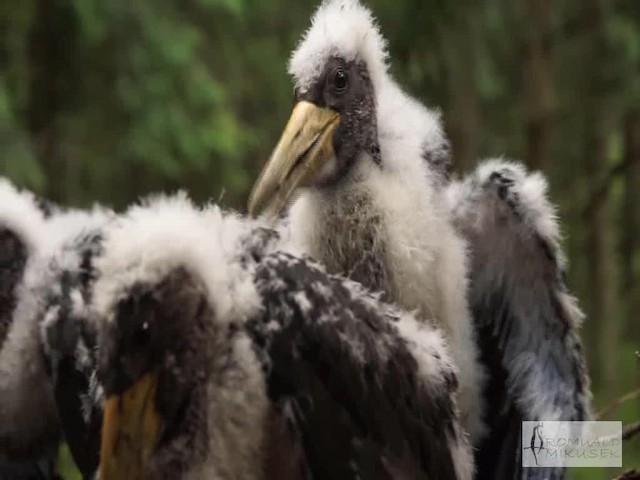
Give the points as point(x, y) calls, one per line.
point(225, 356)
point(369, 164)
point(366, 170)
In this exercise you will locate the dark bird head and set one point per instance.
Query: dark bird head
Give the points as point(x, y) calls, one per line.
point(348, 111)
point(337, 69)
point(157, 351)
point(176, 373)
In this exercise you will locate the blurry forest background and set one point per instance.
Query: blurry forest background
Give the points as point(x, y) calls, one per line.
point(105, 100)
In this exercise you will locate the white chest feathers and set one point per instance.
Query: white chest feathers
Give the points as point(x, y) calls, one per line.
point(395, 237)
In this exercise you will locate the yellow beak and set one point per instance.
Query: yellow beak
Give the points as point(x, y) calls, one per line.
point(131, 429)
point(306, 144)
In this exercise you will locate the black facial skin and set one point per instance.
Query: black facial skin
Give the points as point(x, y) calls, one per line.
point(165, 328)
point(346, 88)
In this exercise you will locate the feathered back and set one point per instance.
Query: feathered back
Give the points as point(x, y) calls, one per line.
point(358, 380)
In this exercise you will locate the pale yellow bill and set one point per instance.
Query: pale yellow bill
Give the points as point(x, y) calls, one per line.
point(306, 144)
point(131, 429)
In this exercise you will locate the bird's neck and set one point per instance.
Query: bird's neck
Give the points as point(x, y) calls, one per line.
point(376, 229)
point(392, 235)
point(343, 229)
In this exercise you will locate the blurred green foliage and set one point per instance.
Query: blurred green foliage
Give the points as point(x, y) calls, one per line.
point(106, 101)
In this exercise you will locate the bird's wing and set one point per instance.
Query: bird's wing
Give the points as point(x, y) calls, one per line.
point(28, 423)
point(367, 391)
point(526, 320)
point(68, 335)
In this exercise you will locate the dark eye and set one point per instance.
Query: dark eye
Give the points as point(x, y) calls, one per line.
point(340, 81)
point(142, 335)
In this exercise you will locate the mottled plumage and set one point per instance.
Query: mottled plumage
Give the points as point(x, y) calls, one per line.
point(47, 360)
point(264, 366)
point(69, 339)
point(366, 170)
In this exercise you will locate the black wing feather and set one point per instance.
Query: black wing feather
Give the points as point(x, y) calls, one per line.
point(350, 381)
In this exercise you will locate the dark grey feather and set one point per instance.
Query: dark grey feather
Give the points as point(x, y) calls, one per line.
point(527, 322)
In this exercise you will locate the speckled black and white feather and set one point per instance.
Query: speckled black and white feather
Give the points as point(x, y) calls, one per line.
point(37, 384)
point(527, 320)
point(388, 382)
point(364, 389)
point(69, 338)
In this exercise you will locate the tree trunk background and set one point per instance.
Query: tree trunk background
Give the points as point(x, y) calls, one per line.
point(630, 224)
point(463, 115)
point(539, 82)
point(599, 119)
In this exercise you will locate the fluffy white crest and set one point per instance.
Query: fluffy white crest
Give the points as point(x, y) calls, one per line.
point(70, 224)
point(342, 28)
point(165, 233)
